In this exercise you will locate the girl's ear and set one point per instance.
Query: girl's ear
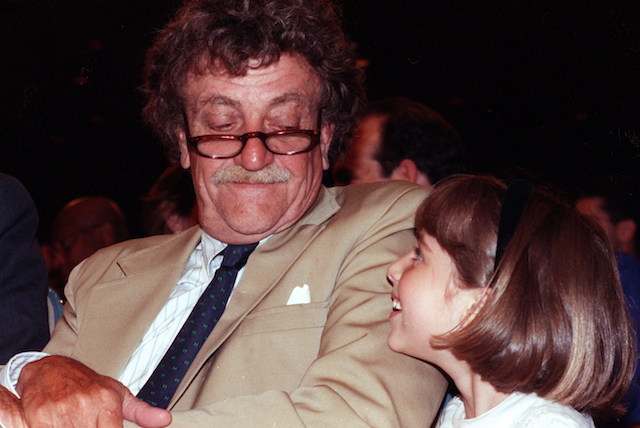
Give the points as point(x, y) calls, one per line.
point(482, 297)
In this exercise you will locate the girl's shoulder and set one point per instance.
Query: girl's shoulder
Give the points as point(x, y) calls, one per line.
point(517, 411)
point(543, 413)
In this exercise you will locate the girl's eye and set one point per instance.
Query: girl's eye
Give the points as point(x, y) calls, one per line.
point(416, 254)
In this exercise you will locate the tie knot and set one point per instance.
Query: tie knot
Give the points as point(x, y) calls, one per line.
point(236, 256)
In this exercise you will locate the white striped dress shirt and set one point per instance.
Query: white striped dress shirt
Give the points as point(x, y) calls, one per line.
point(200, 268)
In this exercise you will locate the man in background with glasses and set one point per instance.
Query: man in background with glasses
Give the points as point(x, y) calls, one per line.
point(256, 98)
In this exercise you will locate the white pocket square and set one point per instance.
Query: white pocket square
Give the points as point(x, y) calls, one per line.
point(300, 296)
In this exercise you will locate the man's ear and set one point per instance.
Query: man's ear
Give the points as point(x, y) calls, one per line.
point(185, 160)
point(625, 232)
point(326, 135)
point(407, 171)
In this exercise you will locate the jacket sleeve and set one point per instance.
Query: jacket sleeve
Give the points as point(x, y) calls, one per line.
point(23, 273)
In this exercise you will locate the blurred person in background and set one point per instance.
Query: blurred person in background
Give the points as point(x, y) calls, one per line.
point(170, 205)
point(613, 208)
point(401, 139)
point(82, 227)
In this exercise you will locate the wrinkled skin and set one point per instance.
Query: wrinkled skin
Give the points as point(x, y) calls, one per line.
point(75, 396)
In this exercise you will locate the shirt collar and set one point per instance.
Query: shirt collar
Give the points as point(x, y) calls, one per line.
point(211, 248)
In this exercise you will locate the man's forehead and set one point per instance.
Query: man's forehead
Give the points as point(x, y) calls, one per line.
point(290, 80)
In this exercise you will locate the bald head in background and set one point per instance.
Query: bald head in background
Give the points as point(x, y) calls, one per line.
point(84, 226)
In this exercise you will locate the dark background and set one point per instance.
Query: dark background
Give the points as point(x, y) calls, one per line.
point(549, 86)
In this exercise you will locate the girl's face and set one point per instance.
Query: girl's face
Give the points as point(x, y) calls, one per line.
point(426, 300)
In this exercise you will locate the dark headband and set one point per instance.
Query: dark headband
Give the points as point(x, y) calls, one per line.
point(515, 198)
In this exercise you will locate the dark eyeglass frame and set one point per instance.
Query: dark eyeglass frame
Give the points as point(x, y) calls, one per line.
point(314, 136)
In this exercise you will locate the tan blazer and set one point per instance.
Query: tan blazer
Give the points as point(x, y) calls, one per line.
point(268, 364)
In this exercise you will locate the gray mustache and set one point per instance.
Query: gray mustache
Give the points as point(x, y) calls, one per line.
point(237, 174)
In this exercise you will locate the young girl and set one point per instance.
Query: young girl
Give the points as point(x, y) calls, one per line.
point(527, 317)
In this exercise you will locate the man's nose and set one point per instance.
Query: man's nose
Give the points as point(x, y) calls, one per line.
point(254, 156)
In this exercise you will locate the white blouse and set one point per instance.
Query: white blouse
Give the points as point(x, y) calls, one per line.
point(518, 410)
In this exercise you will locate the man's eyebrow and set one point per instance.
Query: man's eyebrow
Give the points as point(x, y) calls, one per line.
point(295, 97)
point(218, 99)
point(288, 97)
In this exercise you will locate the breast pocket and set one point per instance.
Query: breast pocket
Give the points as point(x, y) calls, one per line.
point(276, 346)
point(285, 318)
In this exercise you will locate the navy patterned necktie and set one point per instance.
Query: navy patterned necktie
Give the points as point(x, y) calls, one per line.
point(165, 379)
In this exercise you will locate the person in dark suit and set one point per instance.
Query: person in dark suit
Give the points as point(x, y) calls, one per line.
point(23, 273)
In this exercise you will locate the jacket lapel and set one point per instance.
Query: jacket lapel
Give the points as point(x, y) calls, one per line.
point(121, 311)
point(264, 269)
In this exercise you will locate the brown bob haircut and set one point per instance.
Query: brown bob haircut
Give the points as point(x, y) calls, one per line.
point(209, 35)
point(555, 322)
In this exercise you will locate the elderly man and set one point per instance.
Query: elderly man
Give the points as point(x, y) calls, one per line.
point(253, 97)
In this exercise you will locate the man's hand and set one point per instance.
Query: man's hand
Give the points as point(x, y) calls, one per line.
point(59, 392)
point(11, 415)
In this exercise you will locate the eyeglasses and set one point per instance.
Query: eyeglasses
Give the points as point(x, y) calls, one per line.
point(287, 142)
